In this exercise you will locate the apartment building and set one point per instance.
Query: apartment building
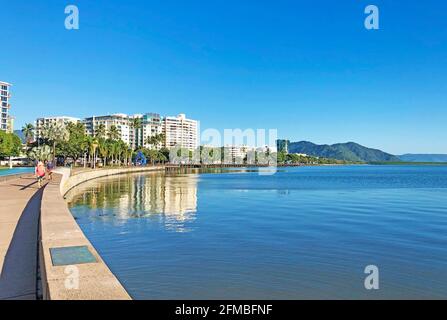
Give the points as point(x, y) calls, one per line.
point(6, 122)
point(151, 125)
point(235, 153)
point(119, 120)
point(180, 132)
point(42, 122)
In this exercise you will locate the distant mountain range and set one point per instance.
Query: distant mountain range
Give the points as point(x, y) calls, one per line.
point(342, 151)
point(423, 157)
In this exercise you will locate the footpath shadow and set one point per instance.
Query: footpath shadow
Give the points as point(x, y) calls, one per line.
point(18, 280)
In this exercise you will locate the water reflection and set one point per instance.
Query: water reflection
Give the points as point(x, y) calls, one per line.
point(171, 199)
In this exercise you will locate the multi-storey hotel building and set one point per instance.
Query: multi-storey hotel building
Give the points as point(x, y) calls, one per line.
point(180, 132)
point(6, 123)
point(42, 122)
point(151, 125)
point(120, 121)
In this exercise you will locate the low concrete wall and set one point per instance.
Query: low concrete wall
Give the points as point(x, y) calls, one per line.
point(58, 229)
point(75, 179)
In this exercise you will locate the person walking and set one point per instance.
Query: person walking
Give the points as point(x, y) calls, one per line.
point(40, 173)
point(50, 168)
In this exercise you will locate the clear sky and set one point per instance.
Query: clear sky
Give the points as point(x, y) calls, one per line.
point(308, 68)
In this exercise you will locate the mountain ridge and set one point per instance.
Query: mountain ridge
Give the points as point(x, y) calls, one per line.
point(349, 151)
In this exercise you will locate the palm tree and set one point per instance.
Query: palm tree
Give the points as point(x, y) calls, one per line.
point(156, 140)
point(55, 134)
point(28, 132)
point(41, 153)
point(113, 150)
point(135, 124)
point(100, 131)
point(103, 151)
point(121, 148)
point(113, 133)
point(161, 138)
point(93, 145)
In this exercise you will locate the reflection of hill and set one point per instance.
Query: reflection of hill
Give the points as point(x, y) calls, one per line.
point(130, 196)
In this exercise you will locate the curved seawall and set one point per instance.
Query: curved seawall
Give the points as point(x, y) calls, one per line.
point(70, 267)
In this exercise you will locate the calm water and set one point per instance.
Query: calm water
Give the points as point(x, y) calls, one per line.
point(301, 233)
point(5, 172)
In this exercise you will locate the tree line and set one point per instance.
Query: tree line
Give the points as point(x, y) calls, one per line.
point(71, 144)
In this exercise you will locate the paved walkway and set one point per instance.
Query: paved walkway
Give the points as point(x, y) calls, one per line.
point(20, 200)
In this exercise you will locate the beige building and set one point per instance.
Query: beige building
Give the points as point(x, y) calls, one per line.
point(180, 132)
point(42, 122)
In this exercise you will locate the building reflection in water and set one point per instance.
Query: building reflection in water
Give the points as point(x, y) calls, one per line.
point(170, 199)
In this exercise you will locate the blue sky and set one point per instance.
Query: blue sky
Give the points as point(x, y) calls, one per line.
point(308, 68)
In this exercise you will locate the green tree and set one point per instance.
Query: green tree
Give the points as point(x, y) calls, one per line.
point(103, 149)
point(41, 153)
point(100, 131)
point(10, 145)
point(156, 141)
point(76, 145)
point(136, 124)
point(55, 134)
point(28, 132)
point(113, 133)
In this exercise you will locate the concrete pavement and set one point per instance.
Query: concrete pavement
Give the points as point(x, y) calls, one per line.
point(20, 200)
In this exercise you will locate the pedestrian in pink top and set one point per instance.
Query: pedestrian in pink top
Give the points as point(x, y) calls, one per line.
point(40, 173)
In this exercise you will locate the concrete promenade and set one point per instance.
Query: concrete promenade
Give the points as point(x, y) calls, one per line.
point(20, 201)
point(33, 223)
point(72, 281)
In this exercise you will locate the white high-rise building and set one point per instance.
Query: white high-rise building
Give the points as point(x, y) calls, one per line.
point(6, 122)
point(180, 132)
point(119, 120)
point(42, 122)
point(150, 125)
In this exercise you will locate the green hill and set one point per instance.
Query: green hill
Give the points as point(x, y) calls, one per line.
point(342, 151)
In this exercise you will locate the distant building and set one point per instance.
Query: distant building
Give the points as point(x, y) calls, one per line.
point(181, 132)
point(6, 122)
point(282, 146)
point(151, 125)
point(42, 122)
point(178, 131)
point(236, 154)
point(119, 120)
